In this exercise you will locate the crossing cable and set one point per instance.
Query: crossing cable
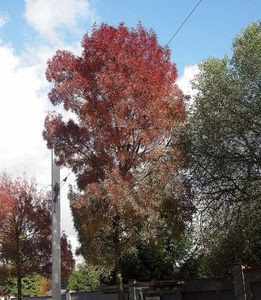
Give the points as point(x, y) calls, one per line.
point(195, 7)
point(62, 183)
point(58, 186)
point(57, 189)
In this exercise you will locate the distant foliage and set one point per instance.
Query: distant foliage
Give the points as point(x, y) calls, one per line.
point(84, 278)
point(32, 286)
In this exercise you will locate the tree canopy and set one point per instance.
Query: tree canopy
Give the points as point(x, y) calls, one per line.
point(122, 141)
point(224, 150)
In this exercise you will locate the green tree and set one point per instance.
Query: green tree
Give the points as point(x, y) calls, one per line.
point(84, 278)
point(224, 150)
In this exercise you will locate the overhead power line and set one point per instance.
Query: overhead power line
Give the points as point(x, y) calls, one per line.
point(62, 183)
point(195, 7)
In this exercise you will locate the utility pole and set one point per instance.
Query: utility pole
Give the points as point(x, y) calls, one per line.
point(56, 232)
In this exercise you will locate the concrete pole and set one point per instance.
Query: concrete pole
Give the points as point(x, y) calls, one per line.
point(239, 282)
point(56, 232)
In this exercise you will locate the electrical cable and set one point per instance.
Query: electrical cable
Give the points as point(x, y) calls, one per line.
point(62, 183)
point(195, 7)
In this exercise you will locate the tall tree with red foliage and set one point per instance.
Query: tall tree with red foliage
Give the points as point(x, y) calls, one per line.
point(25, 231)
point(128, 114)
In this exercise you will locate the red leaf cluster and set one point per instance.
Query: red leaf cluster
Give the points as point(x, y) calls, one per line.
point(25, 230)
point(122, 93)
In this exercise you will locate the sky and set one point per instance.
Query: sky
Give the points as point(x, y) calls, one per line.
point(31, 31)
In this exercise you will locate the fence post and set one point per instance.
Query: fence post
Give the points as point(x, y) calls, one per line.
point(179, 294)
point(239, 282)
point(68, 295)
point(132, 295)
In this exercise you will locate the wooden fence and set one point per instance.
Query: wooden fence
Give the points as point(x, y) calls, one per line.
point(245, 284)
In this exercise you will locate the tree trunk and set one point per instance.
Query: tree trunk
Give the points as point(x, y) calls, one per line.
point(120, 286)
point(19, 285)
point(18, 268)
point(117, 257)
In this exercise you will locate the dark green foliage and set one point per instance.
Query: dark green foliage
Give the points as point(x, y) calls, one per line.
point(147, 264)
point(155, 261)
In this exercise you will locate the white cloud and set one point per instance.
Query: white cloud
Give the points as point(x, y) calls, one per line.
point(184, 82)
point(23, 100)
point(2, 22)
point(24, 90)
point(4, 18)
point(22, 115)
point(48, 16)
